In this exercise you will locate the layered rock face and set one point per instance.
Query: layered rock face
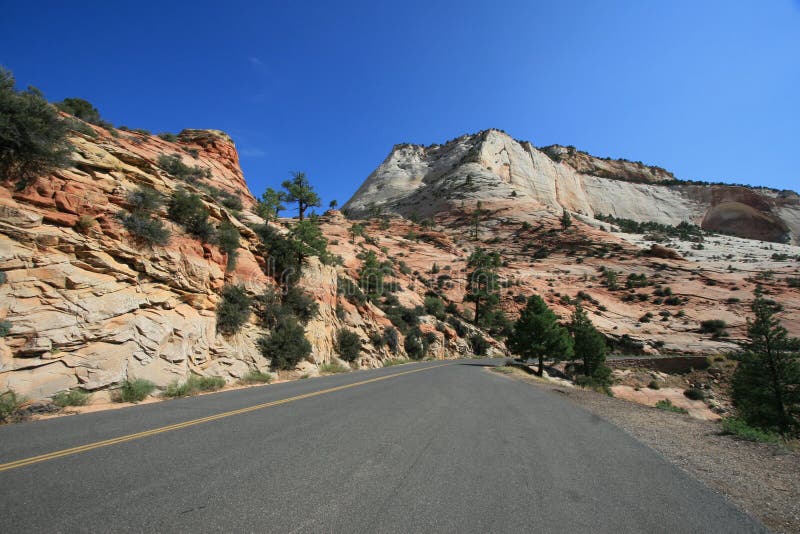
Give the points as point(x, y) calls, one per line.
point(90, 307)
point(491, 165)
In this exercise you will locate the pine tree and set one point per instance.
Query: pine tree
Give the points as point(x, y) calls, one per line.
point(566, 220)
point(270, 204)
point(766, 384)
point(33, 137)
point(482, 283)
point(589, 344)
point(299, 190)
point(356, 229)
point(537, 334)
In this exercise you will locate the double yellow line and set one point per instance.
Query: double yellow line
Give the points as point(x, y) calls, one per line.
point(177, 426)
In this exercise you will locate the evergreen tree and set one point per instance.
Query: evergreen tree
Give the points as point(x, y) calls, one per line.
point(33, 137)
point(371, 275)
point(333, 204)
point(228, 241)
point(766, 384)
point(356, 229)
point(589, 344)
point(270, 204)
point(307, 240)
point(482, 284)
point(537, 334)
point(286, 345)
point(566, 220)
point(299, 190)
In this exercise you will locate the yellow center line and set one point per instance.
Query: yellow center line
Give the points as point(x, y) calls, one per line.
point(177, 426)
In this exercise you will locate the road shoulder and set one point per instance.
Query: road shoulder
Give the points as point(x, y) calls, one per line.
point(761, 479)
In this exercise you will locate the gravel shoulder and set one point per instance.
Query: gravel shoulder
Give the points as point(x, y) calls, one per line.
point(761, 479)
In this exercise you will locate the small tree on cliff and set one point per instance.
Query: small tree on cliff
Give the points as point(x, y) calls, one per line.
point(333, 204)
point(766, 384)
point(299, 190)
point(589, 344)
point(356, 229)
point(482, 283)
point(33, 138)
point(537, 334)
point(566, 220)
point(270, 204)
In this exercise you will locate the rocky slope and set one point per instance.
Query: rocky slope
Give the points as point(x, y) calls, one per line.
point(88, 306)
point(490, 165)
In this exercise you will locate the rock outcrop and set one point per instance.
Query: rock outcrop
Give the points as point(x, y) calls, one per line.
point(491, 165)
point(90, 307)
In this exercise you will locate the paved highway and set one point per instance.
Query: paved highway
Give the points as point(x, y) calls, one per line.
point(428, 447)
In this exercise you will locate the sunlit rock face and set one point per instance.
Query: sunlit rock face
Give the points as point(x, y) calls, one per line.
point(491, 166)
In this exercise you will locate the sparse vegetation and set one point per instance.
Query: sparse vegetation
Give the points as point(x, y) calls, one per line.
point(10, 402)
point(189, 210)
point(694, 394)
point(194, 384)
point(134, 390)
point(33, 137)
point(299, 190)
point(333, 368)
point(5, 327)
point(715, 327)
point(233, 310)
point(286, 345)
point(740, 429)
point(479, 345)
point(256, 377)
point(141, 221)
point(667, 405)
point(348, 344)
point(73, 397)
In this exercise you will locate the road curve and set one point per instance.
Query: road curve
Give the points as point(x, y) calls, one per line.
point(450, 447)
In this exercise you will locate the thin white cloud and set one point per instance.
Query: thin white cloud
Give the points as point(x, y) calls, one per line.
point(252, 152)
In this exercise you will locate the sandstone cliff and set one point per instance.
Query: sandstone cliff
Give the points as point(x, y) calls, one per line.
point(89, 307)
point(491, 165)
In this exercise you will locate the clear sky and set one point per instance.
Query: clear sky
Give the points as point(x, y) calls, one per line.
point(709, 89)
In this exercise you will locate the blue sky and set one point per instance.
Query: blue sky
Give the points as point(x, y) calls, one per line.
point(708, 89)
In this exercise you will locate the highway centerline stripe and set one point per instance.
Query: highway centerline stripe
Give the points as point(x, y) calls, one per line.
point(177, 426)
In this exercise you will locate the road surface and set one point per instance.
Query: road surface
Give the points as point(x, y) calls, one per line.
point(427, 447)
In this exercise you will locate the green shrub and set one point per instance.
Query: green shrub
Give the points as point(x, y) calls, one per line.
point(479, 345)
point(167, 136)
point(228, 241)
point(286, 345)
point(694, 394)
point(667, 405)
point(416, 344)
point(84, 224)
point(194, 385)
point(174, 165)
point(233, 311)
point(256, 377)
point(145, 229)
point(716, 327)
point(33, 137)
point(598, 382)
point(434, 306)
point(350, 290)
point(189, 210)
point(654, 384)
point(3, 278)
point(740, 429)
point(391, 339)
point(9, 400)
point(333, 368)
point(140, 221)
point(83, 110)
point(73, 397)
point(135, 390)
point(5, 328)
point(301, 304)
point(348, 344)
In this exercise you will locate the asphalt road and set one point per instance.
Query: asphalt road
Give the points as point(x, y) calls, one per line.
point(451, 448)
